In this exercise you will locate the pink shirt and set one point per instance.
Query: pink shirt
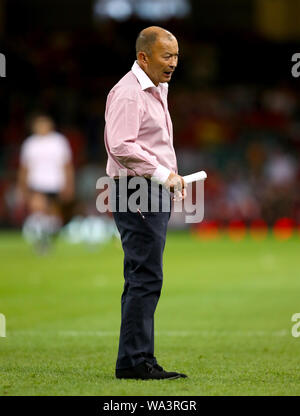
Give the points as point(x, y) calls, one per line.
point(138, 132)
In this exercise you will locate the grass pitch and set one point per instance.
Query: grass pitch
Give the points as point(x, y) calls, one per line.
point(224, 318)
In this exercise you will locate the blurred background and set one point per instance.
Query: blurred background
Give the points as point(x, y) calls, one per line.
point(233, 100)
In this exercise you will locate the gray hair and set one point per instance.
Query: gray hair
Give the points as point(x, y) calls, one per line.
point(145, 42)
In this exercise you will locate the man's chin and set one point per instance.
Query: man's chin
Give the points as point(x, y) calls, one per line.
point(166, 78)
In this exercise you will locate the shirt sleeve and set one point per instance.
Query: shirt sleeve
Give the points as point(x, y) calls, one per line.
point(123, 122)
point(161, 174)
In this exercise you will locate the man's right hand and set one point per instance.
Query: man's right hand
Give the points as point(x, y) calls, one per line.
point(176, 184)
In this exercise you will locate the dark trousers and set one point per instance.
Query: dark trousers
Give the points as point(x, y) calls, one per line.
point(143, 241)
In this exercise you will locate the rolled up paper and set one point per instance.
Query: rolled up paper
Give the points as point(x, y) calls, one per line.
point(198, 176)
point(194, 177)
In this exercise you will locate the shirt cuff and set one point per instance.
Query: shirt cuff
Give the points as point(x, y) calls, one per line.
point(161, 174)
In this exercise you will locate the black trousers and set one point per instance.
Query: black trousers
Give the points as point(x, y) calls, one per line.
point(143, 241)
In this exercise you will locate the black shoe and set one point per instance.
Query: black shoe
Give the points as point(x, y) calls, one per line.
point(146, 371)
point(159, 368)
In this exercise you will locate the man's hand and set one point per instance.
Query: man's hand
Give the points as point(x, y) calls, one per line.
point(67, 194)
point(22, 191)
point(22, 196)
point(177, 185)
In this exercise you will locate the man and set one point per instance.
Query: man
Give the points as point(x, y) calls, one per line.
point(45, 180)
point(139, 138)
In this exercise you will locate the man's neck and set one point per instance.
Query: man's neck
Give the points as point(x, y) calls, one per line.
point(149, 76)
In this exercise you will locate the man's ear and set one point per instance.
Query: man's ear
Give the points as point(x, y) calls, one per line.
point(142, 57)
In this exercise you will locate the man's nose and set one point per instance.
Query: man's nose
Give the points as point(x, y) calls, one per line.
point(173, 63)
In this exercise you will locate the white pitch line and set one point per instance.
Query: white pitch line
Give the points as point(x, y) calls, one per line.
point(200, 333)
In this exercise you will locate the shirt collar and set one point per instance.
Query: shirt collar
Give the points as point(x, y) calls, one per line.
point(143, 78)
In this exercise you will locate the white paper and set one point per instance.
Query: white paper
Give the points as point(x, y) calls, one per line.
point(198, 176)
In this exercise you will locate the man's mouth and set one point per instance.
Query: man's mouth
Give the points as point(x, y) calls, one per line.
point(168, 73)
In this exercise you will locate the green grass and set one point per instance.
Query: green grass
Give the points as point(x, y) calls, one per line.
point(224, 318)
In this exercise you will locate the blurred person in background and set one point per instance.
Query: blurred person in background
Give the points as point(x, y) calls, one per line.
point(45, 180)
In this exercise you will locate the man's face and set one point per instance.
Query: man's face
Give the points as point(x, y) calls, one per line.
point(163, 60)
